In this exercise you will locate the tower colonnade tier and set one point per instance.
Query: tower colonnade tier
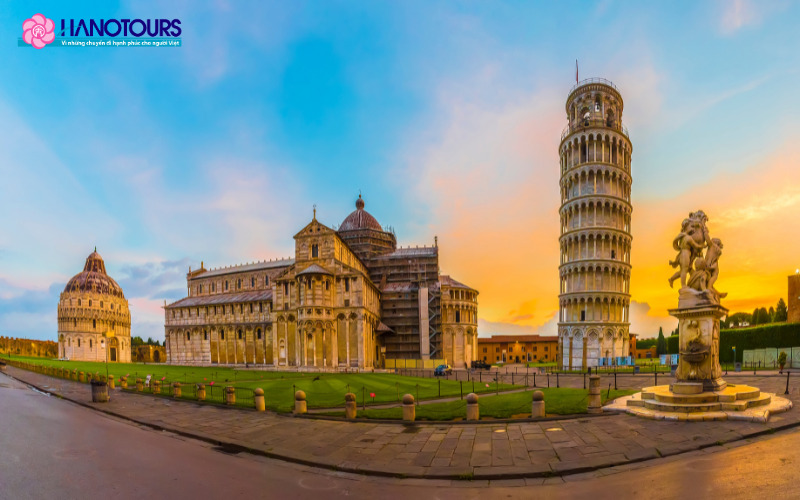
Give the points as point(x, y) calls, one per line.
point(595, 231)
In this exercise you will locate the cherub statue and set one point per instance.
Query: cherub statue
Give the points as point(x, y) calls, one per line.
point(690, 244)
point(713, 254)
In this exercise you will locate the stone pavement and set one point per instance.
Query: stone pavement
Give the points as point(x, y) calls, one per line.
point(436, 450)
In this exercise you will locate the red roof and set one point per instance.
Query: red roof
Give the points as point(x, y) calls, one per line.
point(518, 338)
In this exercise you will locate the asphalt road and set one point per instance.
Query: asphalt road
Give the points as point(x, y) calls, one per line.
point(50, 448)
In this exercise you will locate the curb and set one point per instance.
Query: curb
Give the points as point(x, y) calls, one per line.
point(466, 475)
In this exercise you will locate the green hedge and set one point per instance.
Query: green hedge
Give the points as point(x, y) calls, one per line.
point(774, 335)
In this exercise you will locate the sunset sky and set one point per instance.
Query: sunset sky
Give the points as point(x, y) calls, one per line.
point(445, 115)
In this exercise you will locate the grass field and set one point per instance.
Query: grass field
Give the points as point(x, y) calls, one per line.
point(515, 405)
point(322, 389)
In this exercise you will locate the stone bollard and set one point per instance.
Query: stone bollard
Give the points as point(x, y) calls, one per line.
point(537, 406)
point(123, 382)
point(111, 381)
point(350, 406)
point(81, 377)
point(139, 385)
point(300, 405)
point(595, 404)
point(176, 390)
point(99, 392)
point(75, 374)
point(201, 392)
point(258, 399)
point(409, 410)
point(473, 411)
point(155, 386)
point(230, 395)
point(96, 376)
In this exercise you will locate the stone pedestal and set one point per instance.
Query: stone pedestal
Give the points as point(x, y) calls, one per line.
point(537, 405)
point(258, 399)
point(473, 409)
point(409, 411)
point(300, 404)
point(595, 404)
point(350, 408)
point(698, 330)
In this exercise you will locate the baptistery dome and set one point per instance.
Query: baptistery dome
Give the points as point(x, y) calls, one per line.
point(94, 321)
point(94, 278)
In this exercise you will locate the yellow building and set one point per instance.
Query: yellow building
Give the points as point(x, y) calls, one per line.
point(517, 348)
point(94, 322)
point(348, 299)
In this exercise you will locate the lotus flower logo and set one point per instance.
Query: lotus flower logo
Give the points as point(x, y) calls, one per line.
point(38, 31)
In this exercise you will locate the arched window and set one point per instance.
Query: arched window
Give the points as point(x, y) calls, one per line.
point(314, 251)
point(90, 343)
point(94, 325)
point(75, 323)
point(252, 282)
point(90, 302)
point(101, 304)
point(261, 307)
point(458, 316)
point(79, 342)
point(238, 284)
point(226, 285)
point(266, 280)
point(258, 332)
point(79, 302)
point(213, 287)
point(188, 336)
point(251, 308)
point(205, 335)
point(222, 335)
point(240, 335)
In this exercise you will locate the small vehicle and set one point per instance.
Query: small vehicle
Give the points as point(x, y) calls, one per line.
point(442, 370)
point(480, 364)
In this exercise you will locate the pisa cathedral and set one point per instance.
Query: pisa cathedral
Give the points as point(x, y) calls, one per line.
point(595, 241)
point(350, 298)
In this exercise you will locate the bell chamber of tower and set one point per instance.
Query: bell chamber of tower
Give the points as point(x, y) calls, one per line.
point(595, 238)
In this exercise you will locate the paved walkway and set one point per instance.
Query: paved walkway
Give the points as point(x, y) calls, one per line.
point(488, 451)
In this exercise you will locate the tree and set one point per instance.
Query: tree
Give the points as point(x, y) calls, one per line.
point(754, 318)
point(771, 314)
point(137, 341)
point(661, 346)
point(763, 316)
point(781, 311)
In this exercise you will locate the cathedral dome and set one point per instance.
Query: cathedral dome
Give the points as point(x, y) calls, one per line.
point(94, 278)
point(360, 219)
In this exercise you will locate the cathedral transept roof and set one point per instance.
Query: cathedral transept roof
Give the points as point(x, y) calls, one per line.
point(360, 219)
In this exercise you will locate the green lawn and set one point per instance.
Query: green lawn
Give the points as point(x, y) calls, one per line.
point(322, 389)
point(516, 405)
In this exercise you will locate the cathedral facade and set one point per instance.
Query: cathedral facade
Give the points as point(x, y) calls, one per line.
point(94, 322)
point(348, 299)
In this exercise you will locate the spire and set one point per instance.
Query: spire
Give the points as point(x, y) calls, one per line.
point(315, 212)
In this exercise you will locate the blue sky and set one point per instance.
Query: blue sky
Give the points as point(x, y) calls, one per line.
point(446, 115)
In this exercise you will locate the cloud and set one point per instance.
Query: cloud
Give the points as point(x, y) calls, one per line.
point(738, 14)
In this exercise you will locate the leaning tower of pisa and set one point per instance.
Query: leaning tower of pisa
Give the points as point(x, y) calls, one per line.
point(595, 241)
